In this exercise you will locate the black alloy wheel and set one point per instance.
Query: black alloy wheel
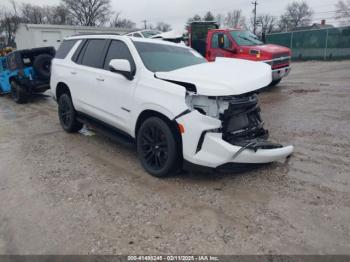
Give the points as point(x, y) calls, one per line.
point(67, 115)
point(157, 148)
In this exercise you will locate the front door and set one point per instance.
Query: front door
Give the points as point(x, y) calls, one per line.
point(215, 51)
point(114, 94)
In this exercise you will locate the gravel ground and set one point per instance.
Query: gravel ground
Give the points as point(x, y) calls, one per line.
point(79, 194)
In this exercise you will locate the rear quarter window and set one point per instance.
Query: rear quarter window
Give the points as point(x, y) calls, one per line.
point(64, 48)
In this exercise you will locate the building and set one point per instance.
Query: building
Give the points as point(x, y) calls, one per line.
point(41, 35)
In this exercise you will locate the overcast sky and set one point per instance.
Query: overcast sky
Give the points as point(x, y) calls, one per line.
point(176, 12)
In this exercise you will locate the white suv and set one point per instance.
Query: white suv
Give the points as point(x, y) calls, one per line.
point(177, 107)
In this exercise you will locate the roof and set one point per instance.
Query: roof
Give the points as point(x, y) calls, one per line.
point(73, 27)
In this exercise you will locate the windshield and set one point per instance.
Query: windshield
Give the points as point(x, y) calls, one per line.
point(245, 38)
point(165, 58)
point(149, 34)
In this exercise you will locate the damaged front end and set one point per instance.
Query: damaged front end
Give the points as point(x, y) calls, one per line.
point(241, 126)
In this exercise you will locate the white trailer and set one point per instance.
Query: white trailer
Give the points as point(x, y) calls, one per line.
point(42, 35)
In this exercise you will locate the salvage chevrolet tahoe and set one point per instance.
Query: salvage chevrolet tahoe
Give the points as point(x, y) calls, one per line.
point(165, 98)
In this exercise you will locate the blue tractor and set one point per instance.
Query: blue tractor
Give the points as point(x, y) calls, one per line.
point(24, 72)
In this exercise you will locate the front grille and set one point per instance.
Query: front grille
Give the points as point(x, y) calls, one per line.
point(277, 63)
point(280, 59)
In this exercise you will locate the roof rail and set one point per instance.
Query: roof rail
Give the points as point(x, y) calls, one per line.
point(102, 33)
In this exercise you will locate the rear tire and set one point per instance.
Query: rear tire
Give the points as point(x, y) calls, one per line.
point(275, 82)
point(19, 95)
point(68, 115)
point(157, 148)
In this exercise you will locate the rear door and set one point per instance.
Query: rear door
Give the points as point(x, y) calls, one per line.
point(85, 75)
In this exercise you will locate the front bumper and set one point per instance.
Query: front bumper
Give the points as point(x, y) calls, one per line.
point(204, 146)
point(279, 73)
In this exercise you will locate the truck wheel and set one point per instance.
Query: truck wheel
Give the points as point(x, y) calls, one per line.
point(157, 149)
point(275, 82)
point(42, 66)
point(67, 115)
point(19, 95)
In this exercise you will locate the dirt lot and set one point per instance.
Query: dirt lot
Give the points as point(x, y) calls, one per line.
point(78, 194)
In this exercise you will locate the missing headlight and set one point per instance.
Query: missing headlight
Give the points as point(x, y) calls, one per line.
point(210, 106)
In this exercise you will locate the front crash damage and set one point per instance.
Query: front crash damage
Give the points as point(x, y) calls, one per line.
point(223, 130)
point(223, 124)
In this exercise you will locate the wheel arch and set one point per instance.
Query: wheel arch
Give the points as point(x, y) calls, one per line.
point(61, 89)
point(146, 114)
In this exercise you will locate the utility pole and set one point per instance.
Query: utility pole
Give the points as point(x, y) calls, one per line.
point(145, 22)
point(255, 3)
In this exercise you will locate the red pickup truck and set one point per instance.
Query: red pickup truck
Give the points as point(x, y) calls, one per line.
point(211, 42)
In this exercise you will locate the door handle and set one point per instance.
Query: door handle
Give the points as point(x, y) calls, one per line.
point(73, 73)
point(100, 79)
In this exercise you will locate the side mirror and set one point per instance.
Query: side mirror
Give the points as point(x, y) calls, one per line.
point(123, 67)
point(221, 44)
point(221, 39)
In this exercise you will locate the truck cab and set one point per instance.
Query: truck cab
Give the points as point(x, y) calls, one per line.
point(212, 42)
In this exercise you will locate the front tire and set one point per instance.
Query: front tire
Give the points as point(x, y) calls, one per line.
point(19, 95)
point(157, 148)
point(68, 115)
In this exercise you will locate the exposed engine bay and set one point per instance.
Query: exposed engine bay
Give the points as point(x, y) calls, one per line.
point(240, 116)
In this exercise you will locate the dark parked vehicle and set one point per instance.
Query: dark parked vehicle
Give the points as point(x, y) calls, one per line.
point(28, 71)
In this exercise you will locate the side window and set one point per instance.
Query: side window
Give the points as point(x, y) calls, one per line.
point(118, 50)
point(64, 48)
point(137, 35)
point(215, 41)
point(79, 53)
point(93, 53)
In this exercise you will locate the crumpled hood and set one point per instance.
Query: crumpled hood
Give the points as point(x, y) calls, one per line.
point(224, 77)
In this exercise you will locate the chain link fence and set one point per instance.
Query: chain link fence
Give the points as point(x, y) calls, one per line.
point(325, 44)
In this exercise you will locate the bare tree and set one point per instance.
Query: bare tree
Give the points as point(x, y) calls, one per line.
point(89, 12)
point(59, 15)
point(9, 21)
point(209, 16)
point(297, 14)
point(164, 27)
point(343, 11)
point(33, 14)
point(235, 19)
point(266, 23)
point(119, 22)
point(194, 18)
